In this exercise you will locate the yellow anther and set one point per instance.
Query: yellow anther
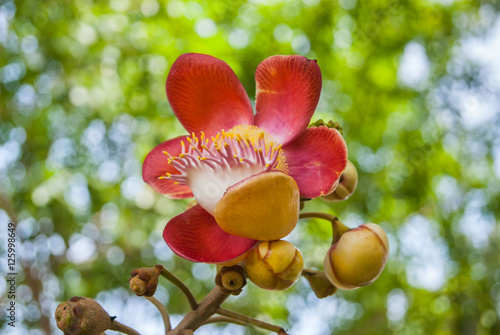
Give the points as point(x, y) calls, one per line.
point(169, 161)
point(166, 153)
point(181, 155)
point(176, 183)
point(169, 175)
point(162, 177)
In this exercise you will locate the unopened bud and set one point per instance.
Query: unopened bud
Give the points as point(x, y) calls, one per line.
point(274, 265)
point(347, 184)
point(231, 280)
point(144, 281)
point(358, 257)
point(138, 286)
point(82, 316)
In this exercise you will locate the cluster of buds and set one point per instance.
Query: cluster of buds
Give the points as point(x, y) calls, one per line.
point(356, 258)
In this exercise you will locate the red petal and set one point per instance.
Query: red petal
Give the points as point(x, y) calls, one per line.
point(155, 165)
point(206, 95)
point(195, 236)
point(288, 89)
point(316, 160)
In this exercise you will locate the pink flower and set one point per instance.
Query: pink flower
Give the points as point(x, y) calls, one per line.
point(246, 171)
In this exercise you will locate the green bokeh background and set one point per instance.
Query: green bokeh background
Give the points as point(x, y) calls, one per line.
point(82, 101)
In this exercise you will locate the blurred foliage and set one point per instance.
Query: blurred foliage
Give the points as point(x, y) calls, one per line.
point(82, 101)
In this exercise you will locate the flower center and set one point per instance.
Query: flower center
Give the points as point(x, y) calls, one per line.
point(209, 167)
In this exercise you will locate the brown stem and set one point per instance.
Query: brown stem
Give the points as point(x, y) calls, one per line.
point(163, 312)
point(207, 307)
point(177, 282)
point(249, 320)
point(120, 327)
point(338, 228)
point(224, 319)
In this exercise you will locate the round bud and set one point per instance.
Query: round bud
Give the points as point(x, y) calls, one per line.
point(82, 316)
point(231, 279)
point(144, 281)
point(347, 184)
point(274, 265)
point(358, 257)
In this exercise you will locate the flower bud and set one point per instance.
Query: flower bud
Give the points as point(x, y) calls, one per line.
point(144, 281)
point(82, 316)
point(274, 265)
point(231, 279)
point(358, 257)
point(347, 184)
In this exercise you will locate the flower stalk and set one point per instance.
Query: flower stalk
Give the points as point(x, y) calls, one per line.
point(248, 320)
point(207, 307)
point(163, 311)
point(177, 282)
point(120, 327)
point(338, 228)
